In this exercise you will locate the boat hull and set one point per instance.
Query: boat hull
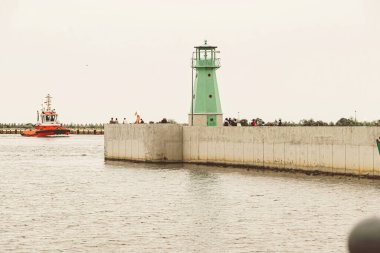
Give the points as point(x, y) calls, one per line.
point(45, 133)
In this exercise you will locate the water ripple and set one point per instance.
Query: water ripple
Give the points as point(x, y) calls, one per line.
point(58, 194)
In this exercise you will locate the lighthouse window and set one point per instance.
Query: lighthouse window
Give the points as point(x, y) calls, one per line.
point(210, 96)
point(209, 74)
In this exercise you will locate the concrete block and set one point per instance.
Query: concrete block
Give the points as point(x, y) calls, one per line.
point(115, 149)
point(296, 156)
point(141, 150)
point(352, 159)
point(194, 149)
point(135, 148)
point(129, 148)
point(186, 152)
point(228, 151)
point(211, 151)
point(193, 144)
point(268, 154)
point(248, 153)
point(278, 155)
point(326, 157)
point(339, 158)
point(258, 153)
point(248, 157)
point(203, 147)
point(238, 150)
point(122, 148)
point(219, 151)
point(366, 159)
point(313, 161)
point(143, 142)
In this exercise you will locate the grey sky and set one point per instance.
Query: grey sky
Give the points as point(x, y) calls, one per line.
point(289, 59)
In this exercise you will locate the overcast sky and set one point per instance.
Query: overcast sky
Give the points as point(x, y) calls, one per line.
point(291, 59)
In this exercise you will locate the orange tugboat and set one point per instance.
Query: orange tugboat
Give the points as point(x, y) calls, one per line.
point(47, 123)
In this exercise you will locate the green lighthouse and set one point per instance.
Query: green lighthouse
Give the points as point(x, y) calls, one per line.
point(205, 107)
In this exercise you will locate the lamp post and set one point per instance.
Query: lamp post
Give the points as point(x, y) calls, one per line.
point(192, 90)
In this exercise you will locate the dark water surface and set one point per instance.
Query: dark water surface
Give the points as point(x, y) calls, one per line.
point(58, 195)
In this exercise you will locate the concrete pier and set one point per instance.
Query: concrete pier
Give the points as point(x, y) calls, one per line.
point(145, 142)
point(335, 150)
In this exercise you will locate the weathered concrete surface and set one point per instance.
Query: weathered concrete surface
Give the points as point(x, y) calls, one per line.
point(201, 119)
point(348, 150)
point(345, 150)
point(143, 142)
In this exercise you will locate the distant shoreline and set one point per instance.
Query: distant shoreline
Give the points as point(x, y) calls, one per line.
point(86, 131)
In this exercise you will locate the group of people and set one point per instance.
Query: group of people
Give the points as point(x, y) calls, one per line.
point(254, 122)
point(235, 122)
point(227, 121)
point(138, 120)
point(114, 121)
point(230, 122)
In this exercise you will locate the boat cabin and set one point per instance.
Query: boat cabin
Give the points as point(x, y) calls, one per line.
point(49, 118)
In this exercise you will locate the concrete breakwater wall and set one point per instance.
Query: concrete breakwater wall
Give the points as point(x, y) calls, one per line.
point(72, 131)
point(145, 142)
point(343, 150)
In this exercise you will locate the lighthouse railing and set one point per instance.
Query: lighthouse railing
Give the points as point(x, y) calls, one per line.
point(206, 63)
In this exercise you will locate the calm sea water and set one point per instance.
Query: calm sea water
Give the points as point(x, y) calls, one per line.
point(58, 195)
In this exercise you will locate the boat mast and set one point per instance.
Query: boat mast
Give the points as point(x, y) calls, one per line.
point(48, 103)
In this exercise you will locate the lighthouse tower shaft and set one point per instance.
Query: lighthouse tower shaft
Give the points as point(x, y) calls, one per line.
point(206, 109)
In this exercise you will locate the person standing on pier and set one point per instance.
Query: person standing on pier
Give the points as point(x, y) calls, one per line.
point(137, 121)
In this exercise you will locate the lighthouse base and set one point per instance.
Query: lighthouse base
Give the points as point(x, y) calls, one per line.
point(206, 119)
